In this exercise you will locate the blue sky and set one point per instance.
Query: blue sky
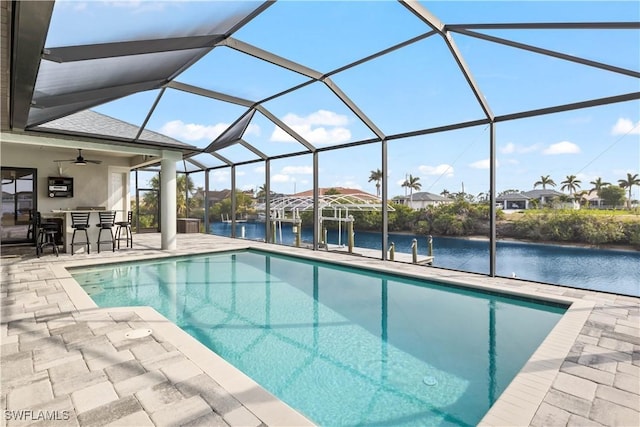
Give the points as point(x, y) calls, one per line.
point(417, 87)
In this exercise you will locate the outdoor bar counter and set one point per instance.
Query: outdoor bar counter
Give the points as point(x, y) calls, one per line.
point(93, 230)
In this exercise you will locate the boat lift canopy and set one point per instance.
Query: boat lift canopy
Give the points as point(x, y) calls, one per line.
point(340, 204)
point(349, 202)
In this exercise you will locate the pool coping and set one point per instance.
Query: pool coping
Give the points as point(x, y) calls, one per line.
point(264, 405)
point(517, 405)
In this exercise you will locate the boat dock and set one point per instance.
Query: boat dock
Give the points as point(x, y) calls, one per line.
point(375, 253)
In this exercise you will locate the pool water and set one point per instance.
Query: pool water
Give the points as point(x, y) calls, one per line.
point(343, 346)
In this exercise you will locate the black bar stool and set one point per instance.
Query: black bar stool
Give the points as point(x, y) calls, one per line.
point(127, 229)
point(33, 226)
point(80, 222)
point(46, 235)
point(107, 222)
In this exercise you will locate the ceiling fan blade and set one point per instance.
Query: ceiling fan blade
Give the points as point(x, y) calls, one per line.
point(80, 160)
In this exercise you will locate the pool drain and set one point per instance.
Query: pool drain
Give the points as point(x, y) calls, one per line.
point(138, 333)
point(429, 380)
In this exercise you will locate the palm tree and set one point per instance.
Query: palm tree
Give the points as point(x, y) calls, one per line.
point(544, 181)
point(184, 190)
point(262, 191)
point(376, 176)
point(483, 197)
point(598, 184)
point(412, 184)
point(629, 182)
point(572, 183)
point(445, 193)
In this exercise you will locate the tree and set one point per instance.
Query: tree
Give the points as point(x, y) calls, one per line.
point(509, 191)
point(412, 184)
point(184, 190)
point(544, 181)
point(483, 197)
point(579, 196)
point(184, 184)
point(376, 176)
point(331, 192)
point(262, 191)
point(598, 184)
point(629, 183)
point(222, 209)
point(445, 193)
point(612, 195)
point(572, 183)
point(148, 213)
point(198, 202)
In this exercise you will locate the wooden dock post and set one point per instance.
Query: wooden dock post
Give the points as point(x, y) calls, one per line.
point(414, 251)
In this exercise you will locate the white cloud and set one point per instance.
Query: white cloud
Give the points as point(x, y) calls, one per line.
point(625, 126)
point(528, 149)
point(220, 176)
point(443, 169)
point(259, 169)
point(240, 173)
point(300, 170)
point(252, 129)
point(483, 164)
point(585, 178)
point(347, 184)
point(509, 148)
point(512, 148)
point(191, 131)
point(280, 178)
point(563, 147)
point(321, 127)
point(287, 172)
point(320, 117)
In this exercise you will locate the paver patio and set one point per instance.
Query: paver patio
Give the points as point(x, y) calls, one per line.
point(66, 360)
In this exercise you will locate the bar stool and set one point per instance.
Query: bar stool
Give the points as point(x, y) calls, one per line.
point(127, 229)
point(107, 222)
point(46, 235)
point(80, 222)
point(31, 231)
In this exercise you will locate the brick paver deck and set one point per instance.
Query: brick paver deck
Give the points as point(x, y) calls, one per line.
point(66, 362)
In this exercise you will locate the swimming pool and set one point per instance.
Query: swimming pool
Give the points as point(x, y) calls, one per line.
point(343, 346)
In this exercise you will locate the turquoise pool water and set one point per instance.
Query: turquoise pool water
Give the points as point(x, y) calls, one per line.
point(343, 346)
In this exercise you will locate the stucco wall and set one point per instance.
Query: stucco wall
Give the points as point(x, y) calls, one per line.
point(90, 181)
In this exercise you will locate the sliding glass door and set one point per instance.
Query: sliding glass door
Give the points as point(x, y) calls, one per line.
point(18, 201)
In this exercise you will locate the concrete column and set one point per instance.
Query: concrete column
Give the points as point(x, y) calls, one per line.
point(168, 199)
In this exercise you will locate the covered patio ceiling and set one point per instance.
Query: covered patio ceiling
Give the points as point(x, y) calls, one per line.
point(158, 73)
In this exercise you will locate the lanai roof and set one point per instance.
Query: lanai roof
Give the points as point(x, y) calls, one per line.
point(63, 68)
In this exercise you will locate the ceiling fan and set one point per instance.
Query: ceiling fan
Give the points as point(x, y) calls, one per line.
point(80, 160)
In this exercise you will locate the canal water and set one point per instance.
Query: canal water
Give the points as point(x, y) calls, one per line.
point(588, 268)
